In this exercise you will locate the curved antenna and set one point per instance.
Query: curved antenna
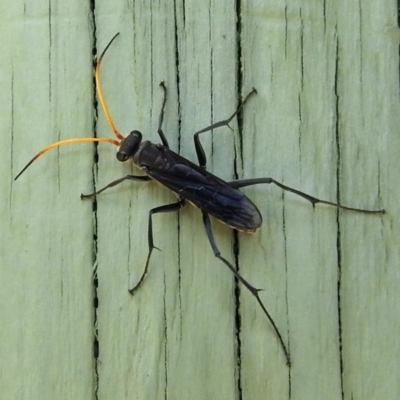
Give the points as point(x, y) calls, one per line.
point(86, 140)
point(62, 142)
point(100, 92)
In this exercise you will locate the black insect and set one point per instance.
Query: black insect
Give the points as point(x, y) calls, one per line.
point(190, 182)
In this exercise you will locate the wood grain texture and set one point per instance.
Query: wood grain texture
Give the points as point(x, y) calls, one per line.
point(46, 251)
point(325, 121)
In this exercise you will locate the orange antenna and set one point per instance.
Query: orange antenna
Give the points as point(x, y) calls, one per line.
point(86, 140)
point(100, 92)
point(68, 141)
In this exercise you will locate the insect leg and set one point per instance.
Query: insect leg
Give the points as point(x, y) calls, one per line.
point(201, 155)
point(161, 118)
point(313, 200)
point(162, 209)
point(251, 288)
point(141, 178)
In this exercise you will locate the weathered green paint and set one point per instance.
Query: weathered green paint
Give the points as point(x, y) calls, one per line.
point(325, 120)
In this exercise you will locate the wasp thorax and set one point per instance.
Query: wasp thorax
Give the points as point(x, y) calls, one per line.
point(129, 146)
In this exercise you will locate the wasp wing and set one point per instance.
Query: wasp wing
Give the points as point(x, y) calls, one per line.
point(209, 193)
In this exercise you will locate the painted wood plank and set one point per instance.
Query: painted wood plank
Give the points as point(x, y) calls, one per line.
point(325, 121)
point(46, 257)
point(176, 335)
point(321, 72)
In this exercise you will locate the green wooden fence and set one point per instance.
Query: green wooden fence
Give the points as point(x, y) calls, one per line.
point(325, 121)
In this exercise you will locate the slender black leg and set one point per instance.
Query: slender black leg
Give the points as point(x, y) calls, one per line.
point(162, 209)
point(141, 178)
point(161, 118)
point(313, 200)
point(201, 155)
point(251, 288)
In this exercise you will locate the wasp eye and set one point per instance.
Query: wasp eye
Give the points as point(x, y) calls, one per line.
point(122, 156)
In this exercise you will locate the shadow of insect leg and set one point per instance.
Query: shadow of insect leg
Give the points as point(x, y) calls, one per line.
point(140, 178)
point(248, 286)
point(313, 200)
point(201, 155)
point(162, 209)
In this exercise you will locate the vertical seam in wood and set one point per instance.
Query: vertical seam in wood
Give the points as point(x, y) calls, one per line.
point(338, 232)
point(239, 153)
point(95, 283)
point(178, 92)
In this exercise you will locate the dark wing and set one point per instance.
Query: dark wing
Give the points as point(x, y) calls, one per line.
point(209, 193)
